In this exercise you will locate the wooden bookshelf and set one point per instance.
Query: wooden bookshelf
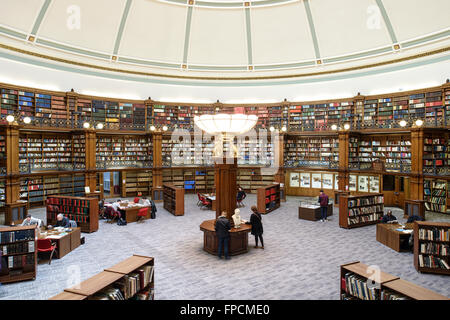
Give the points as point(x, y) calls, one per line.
point(137, 183)
point(173, 198)
point(133, 277)
point(360, 211)
point(268, 198)
point(84, 211)
point(18, 254)
point(354, 285)
point(430, 245)
point(436, 153)
point(436, 195)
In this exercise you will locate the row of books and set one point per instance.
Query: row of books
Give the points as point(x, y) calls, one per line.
point(435, 234)
point(358, 287)
point(17, 261)
point(13, 236)
point(365, 210)
point(69, 202)
point(17, 247)
point(364, 218)
point(427, 261)
point(435, 248)
point(365, 201)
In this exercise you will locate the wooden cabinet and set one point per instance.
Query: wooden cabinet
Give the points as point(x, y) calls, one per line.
point(268, 198)
point(359, 211)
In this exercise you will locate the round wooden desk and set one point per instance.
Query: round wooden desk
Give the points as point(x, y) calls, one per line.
point(238, 238)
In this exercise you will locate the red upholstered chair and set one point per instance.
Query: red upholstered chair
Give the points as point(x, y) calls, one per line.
point(199, 202)
point(142, 213)
point(206, 203)
point(136, 200)
point(46, 245)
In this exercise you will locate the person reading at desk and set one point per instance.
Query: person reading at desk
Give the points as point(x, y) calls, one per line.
point(62, 221)
point(389, 217)
point(29, 221)
point(145, 201)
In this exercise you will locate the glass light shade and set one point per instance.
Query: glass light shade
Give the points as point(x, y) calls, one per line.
point(27, 120)
point(419, 122)
point(283, 129)
point(165, 128)
point(272, 129)
point(10, 118)
point(226, 123)
point(403, 123)
point(86, 125)
point(100, 126)
point(333, 127)
point(346, 126)
point(152, 128)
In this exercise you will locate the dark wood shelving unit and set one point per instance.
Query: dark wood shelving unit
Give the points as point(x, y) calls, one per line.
point(173, 198)
point(25, 269)
point(422, 238)
point(84, 211)
point(350, 205)
point(96, 287)
point(268, 198)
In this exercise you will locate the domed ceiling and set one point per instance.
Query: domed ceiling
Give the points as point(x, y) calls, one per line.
point(225, 39)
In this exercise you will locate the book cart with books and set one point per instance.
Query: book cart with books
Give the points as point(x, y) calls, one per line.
point(432, 247)
point(18, 254)
point(84, 211)
point(131, 279)
point(362, 282)
point(268, 198)
point(360, 211)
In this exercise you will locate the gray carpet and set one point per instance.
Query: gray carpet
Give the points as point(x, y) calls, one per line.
point(301, 258)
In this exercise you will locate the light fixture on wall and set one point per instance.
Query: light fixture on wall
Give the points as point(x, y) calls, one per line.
point(419, 122)
point(333, 127)
point(86, 125)
point(10, 118)
point(272, 129)
point(165, 128)
point(27, 120)
point(403, 123)
point(99, 126)
point(346, 126)
point(283, 128)
point(152, 128)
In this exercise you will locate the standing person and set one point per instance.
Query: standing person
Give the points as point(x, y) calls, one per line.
point(222, 228)
point(323, 200)
point(257, 227)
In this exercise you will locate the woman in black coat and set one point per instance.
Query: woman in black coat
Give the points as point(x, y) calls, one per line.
point(257, 227)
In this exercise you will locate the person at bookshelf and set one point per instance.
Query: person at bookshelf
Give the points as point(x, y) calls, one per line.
point(62, 221)
point(323, 200)
point(222, 228)
point(29, 221)
point(257, 227)
point(388, 217)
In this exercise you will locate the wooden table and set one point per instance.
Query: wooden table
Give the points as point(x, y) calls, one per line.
point(131, 212)
point(67, 242)
point(387, 235)
point(313, 214)
point(238, 238)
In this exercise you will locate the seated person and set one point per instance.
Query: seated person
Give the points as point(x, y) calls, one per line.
point(62, 221)
point(29, 220)
point(388, 217)
point(116, 205)
point(145, 201)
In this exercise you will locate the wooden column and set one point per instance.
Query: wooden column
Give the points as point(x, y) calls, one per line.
point(343, 174)
point(226, 187)
point(279, 176)
point(157, 160)
point(416, 181)
point(90, 158)
point(12, 164)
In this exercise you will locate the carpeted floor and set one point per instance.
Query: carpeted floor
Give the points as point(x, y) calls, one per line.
point(301, 258)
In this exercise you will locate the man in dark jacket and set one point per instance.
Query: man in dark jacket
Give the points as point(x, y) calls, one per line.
point(388, 217)
point(222, 228)
point(62, 221)
point(323, 200)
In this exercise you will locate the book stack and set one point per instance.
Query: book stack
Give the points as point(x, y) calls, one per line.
point(126, 115)
point(8, 101)
point(400, 108)
point(433, 107)
point(391, 295)
point(26, 103)
point(417, 106)
point(84, 111)
point(43, 106)
point(59, 109)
